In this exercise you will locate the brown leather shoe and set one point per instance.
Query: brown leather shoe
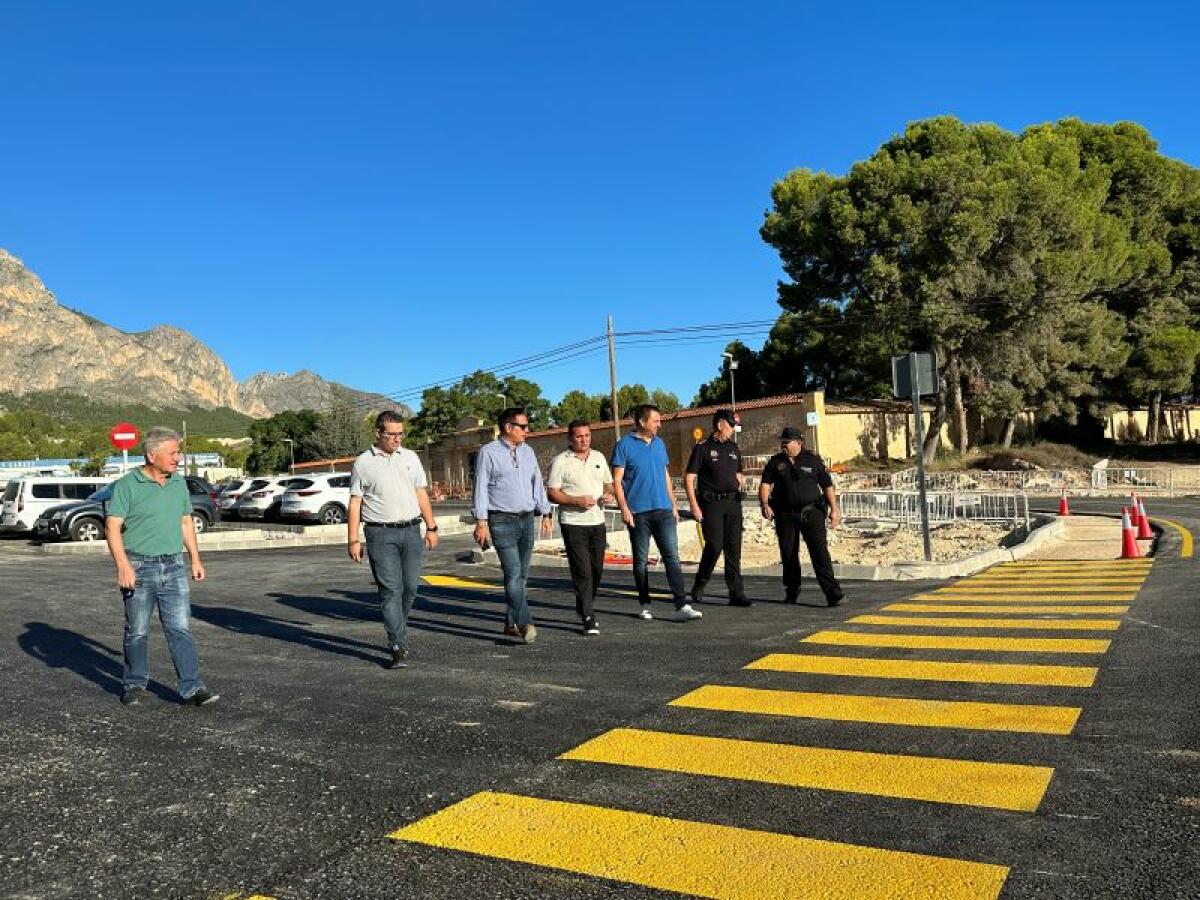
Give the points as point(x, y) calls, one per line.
point(512, 631)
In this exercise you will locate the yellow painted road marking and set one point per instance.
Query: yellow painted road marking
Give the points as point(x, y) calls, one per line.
point(885, 710)
point(1091, 581)
point(1031, 608)
point(962, 782)
point(1084, 602)
point(945, 642)
point(1185, 535)
point(971, 588)
point(1111, 565)
point(654, 595)
point(929, 670)
point(697, 858)
point(451, 582)
point(952, 622)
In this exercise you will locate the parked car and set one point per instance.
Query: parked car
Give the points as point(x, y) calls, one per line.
point(27, 498)
point(232, 491)
point(317, 498)
point(84, 520)
point(263, 502)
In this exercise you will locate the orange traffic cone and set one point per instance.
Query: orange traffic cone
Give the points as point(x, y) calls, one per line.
point(1063, 509)
point(1129, 544)
point(1133, 509)
point(1144, 531)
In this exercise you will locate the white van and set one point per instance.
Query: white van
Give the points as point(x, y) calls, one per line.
point(26, 498)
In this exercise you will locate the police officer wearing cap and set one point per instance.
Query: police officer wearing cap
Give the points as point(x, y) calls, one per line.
point(713, 482)
point(797, 492)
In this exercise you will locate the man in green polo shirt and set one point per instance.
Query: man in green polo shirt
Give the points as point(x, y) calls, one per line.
point(149, 525)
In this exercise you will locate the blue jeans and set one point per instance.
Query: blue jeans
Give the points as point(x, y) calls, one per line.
point(162, 581)
point(513, 537)
point(659, 524)
point(395, 555)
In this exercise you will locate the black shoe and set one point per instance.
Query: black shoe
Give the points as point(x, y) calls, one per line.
point(740, 601)
point(202, 697)
point(590, 626)
point(834, 600)
point(399, 658)
point(133, 696)
point(791, 598)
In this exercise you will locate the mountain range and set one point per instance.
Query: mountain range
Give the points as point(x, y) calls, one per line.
point(47, 347)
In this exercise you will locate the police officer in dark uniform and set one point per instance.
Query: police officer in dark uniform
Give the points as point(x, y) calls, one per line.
point(714, 488)
point(797, 492)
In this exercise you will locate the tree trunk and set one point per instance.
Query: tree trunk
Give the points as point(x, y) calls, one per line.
point(1010, 427)
point(958, 412)
point(1153, 416)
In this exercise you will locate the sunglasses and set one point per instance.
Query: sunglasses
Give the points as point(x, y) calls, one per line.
point(522, 425)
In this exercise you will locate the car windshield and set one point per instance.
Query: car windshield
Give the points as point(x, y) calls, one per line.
point(257, 483)
point(296, 484)
point(103, 495)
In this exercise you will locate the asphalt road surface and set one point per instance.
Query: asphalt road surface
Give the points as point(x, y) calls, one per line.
point(1028, 732)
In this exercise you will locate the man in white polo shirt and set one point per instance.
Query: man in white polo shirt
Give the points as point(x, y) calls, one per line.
point(579, 482)
point(389, 496)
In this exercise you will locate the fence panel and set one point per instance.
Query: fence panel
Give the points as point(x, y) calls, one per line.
point(943, 506)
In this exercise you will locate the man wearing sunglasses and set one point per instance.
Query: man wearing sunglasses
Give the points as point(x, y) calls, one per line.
point(509, 494)
point(389, 495)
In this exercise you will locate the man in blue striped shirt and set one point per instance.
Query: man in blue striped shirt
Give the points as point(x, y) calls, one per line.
point(509, 493)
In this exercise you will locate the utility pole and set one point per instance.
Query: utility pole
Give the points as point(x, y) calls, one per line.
point(612, 381)
point(920, 421)
point(732, 392)
point(185, 455)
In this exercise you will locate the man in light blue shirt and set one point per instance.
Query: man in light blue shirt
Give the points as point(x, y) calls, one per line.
point(642, 483)
point(509, 493)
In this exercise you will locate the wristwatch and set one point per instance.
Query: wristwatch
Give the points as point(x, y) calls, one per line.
point(429, 528)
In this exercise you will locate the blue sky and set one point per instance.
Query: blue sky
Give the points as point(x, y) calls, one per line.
point(395, 194)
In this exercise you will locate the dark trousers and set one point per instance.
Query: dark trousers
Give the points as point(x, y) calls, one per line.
point(585, 554)
point(809, 523)
point(722, 530)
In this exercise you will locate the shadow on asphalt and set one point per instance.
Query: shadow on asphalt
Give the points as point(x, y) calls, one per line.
point(242, 622)
point(61, 648)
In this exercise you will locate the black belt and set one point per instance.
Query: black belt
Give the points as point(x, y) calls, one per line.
point(408, 524)
point(720, 495)
point(512, 515)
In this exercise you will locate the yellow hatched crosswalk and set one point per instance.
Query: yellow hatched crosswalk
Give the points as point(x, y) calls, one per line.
point(833, 682)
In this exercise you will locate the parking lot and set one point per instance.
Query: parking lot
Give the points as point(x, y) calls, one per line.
point(292, 784)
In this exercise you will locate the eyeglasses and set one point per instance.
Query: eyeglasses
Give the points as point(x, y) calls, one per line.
point(523, 425)
point(395, 434)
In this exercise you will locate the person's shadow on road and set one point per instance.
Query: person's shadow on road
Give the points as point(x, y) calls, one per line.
point(240, 621)
point(61, 648)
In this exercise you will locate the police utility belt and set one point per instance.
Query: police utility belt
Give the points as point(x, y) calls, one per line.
point(408, 524)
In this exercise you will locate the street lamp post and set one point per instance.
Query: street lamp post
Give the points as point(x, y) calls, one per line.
point(503, 397)
point(732, 368)
point(291, 455)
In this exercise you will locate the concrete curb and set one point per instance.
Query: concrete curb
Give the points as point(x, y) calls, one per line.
point(1043, 528)
point(254, 539)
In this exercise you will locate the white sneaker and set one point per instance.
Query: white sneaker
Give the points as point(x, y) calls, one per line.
point(685, 613)
point(645, 613)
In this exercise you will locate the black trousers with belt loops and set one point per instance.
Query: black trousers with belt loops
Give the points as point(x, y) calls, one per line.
point(809, 524)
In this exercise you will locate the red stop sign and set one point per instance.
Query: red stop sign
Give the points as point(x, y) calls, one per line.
point(124, 436)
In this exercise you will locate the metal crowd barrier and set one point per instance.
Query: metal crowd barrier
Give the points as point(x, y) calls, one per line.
point(944, 506)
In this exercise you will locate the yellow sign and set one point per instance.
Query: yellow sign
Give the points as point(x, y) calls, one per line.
point(698, 433)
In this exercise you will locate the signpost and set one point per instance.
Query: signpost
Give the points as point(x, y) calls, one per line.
point(124, 437)
point(912, 376)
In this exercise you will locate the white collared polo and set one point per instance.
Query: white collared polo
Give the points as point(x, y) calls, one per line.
point(388, 483)
point(579, 477)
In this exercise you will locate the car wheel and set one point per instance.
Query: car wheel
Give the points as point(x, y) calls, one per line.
point(201, 523)
point(87, 530)
point(331, 514)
